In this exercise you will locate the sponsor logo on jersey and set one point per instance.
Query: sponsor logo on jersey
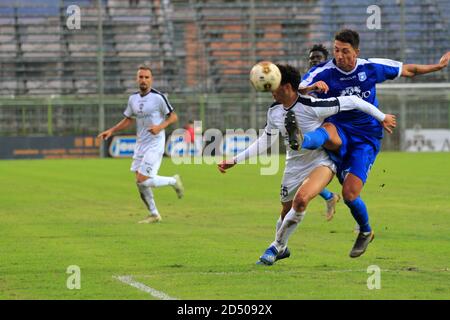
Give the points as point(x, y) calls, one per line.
point(348, 78)
point(355, 91)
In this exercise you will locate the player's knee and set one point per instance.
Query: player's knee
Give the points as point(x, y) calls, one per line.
point(300, 202)
point(349, 194)
point(351, 188)
point(140, 178)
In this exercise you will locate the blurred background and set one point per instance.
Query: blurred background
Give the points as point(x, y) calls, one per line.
point(57, 81)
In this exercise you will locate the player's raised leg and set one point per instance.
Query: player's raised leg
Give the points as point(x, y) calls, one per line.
point(326, 136)
point(147, 177)
point(148, 174)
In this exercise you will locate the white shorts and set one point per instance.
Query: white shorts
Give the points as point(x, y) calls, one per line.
point(147, 163)
point(297, 171)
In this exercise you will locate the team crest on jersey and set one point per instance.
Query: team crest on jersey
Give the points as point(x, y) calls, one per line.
point(141, 106)
point(362, 76)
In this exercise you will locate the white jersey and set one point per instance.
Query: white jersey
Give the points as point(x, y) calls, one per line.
point(151, 109)
point(310, 114)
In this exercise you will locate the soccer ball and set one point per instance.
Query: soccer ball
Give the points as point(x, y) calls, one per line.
point(265, 76)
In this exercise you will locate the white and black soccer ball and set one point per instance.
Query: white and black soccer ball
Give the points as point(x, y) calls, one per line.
point(265, 76)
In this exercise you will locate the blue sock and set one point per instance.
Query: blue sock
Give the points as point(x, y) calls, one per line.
point(360, 214)
point(315, 139)
point(326, 194)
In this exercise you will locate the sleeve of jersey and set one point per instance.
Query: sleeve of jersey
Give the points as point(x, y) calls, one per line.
point(353, 102)
point(321, 108)
point(386, 69)
point(309, 78)
point(166, 107)
point(128, 111)
point(269, 129)
point(259, 146)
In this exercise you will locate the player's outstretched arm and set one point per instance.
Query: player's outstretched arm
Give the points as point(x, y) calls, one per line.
point(411, 70)
point(319, 86)
point(259, 146)
point(123, 124)
point(353, 102)
point(388, 121)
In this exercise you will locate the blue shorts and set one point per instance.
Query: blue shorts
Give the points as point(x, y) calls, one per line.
point(356, 154)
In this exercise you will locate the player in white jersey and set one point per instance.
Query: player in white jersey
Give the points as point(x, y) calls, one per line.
point(307, 172)
point(153, 113)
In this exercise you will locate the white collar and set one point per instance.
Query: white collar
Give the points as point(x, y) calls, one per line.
point(358, 62)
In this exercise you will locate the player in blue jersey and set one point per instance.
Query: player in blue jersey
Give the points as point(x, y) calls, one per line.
point(354, 138)
point(318, 54)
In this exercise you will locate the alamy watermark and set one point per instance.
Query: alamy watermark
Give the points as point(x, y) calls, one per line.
point(374, 280)
point(212, 147)
point(74, 280)
point(374, 20)
point(73, 21)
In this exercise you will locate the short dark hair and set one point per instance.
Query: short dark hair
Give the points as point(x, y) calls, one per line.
point(320, 47)
point(348, 36)
point(289, 74)
point(145, 67)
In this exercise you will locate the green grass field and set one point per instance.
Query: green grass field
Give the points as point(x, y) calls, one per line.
point(57, 213)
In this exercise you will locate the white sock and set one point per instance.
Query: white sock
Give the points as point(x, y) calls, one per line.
point(278, 226)
point(159, 181)
point(290, 223)
point(147, 196)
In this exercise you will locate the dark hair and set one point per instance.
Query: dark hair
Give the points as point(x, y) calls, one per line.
point(145, 67)
point(289, 74)
point(348, 36)
point(321, 48)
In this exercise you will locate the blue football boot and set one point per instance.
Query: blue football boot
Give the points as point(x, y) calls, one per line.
point(269, 256)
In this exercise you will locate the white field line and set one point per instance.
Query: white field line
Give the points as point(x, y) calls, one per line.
point(153, 292)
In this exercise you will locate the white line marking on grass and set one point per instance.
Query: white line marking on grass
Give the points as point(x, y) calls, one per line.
point(154, 293)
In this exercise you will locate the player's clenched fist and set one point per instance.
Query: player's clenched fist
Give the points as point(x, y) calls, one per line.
point(320, 86)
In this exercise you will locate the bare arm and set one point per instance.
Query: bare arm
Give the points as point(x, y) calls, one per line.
point(172, 118)
point(411, 70)
point(259, 146)
point(123, 124)
point(319, 86)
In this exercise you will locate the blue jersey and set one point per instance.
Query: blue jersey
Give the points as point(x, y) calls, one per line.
point(361, 82)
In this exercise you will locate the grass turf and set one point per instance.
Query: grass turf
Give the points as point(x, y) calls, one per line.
point(57, 213)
